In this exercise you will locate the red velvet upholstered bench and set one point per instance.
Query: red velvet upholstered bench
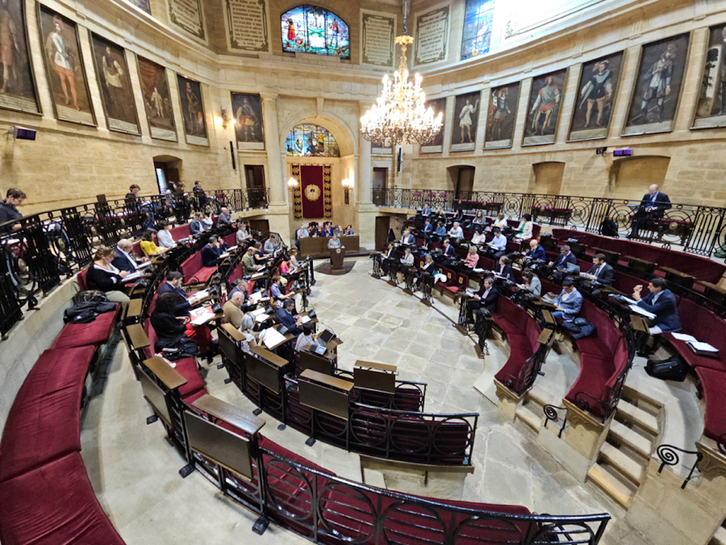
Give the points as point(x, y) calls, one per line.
point(705, 326)
point(193, 270)
point(522, 334)
point(713, 385)
point(95, 333)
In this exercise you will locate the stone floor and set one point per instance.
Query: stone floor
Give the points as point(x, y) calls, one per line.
point(134, 470)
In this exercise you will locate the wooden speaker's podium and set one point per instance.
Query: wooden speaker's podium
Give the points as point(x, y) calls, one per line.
point(337, 255)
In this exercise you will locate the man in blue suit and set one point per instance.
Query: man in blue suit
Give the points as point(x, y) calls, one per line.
point(212, 251)
point(652, 207)
point(536, 251)
point(661, 302)
point(284, 317)
point(565, 257)
point(123, 260)
point(568, 302)
point(448, 250)
point(173, 285)
point(196, 226)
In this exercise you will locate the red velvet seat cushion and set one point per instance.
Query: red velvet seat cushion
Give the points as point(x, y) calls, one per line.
point(180, 232)
point(95, 333)
point(706, 327)
point(44, 421)
point(54, 505)
point(520, 349)
point(714, 395)
point(595, 372)
point(187, 367)
point(194, 272)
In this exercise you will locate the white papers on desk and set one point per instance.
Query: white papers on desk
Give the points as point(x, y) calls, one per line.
point(702, 347)
point(133, 276)
point(257, 297)
point(305, 319)
point(478, 271)
point(257, 275)
point(642, 312)
point(469, 292)
point(262, 317)
point(629, 300)
point(143, 265)
point(201, 315)
point(225, 255)
point(271, 338)
point(230, 250)
point(201, 294)
point(683, 337)
point(257, 312)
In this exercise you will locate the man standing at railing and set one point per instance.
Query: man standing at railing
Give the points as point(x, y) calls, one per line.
point(652, 207)
point(8, 211)
point(199, 195)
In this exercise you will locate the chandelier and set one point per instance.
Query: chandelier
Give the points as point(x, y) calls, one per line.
point(400, 115)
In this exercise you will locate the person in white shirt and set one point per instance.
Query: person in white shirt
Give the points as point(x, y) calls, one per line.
point(242, 234)
point(164, 236)
point(456, 231)
point(207, 221)
point(269, 246)
point(479, 237)
point(407, 258)
point(498, 244)
point(500, 222)
point(525, 229)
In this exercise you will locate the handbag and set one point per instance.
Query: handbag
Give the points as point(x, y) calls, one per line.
point(184, 347)
point(674, 368)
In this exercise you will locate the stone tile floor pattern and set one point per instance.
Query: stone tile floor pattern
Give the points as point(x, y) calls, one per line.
point(134, 470)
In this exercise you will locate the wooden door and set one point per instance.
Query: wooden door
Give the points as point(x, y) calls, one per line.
point(382, 225)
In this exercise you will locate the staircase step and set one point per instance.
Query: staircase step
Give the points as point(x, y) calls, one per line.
point(615, 488)
point(719, 538)
point(633, 439)
point(622, 462)
point(529, 417)
point(634, 414)
point(537, 399)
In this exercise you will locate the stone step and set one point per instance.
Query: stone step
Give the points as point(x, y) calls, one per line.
point(533, 419)
point(631, 438)
point(619, 460)
point(537, 399)
point(613, 487)
point(638, 416)
point(719, 538)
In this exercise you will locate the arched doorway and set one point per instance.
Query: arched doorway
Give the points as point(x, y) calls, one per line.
point(167, 169)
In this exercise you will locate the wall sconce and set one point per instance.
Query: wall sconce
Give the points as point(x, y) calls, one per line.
point(347, 186)
point(292, 183)
point(225, 119)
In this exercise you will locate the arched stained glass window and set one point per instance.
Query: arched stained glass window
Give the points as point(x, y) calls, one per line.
point(311, 141)
point(478, 21)
point(312, 29)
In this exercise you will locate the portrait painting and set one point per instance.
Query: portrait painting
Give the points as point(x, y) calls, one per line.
point(464, 124)
point(248, 124)
point(436, 145)
point(112, 73)
point(64, 64)
point(596, 94)
point(544, 107)
point(711, 105)
point(501, 115)
point(157, 100)
point(658, 86)
point(195, 127)
point(382, 148)
point(17, 86)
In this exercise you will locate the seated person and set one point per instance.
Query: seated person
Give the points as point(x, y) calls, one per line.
point(260, 256)
point(103, 276)
point(486, 298)
point(337, 230)
point(166, 240)
point(448, 250)
point(456, 231)
point(270, 245)
point(308, 338)
point(479, 237)
point(326, 231)
point(334, 242)
point(148, 246)
point(500, 222)
point(197, 225)
point(212, 251)
point(565, 257)
point(406, 261)
point(440, 229)
point(601, 272)
point(426, 210)
point(472, 257)
point(387, 258)
point(536, 251)
point(349, 231)
point(208, 221)
point(503, 269)
point(295, 265)
point(277, 289)
point(301, 233)
point(531, 283)
point(224, 217)
point(498, 244)
point(249, 266)
point(242, 233)
point(284, 317)
point(428, 268)
point(428, 228)
point(240, 286)
point(248, 324)
point(568, 302)
point(174, 331)
point(661, 302)
point(479, 218)
point(232, 309)
point(173, 285)
point(123, 260)
point(525, 228)
point(407, 238)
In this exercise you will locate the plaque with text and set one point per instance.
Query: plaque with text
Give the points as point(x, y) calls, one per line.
point(187, 15)
point(377, 39)
point(247, 25)
point(432, 35)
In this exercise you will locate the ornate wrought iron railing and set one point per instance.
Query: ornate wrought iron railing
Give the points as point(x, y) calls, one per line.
point(697, 229)
point(668, 455)
point(38, 251)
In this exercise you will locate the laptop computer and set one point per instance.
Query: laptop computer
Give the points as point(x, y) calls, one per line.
point(325, 337)
point(573, 269)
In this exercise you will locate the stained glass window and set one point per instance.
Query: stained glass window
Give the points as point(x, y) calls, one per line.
point(311, 141)
point(478, 20)
point(311, 29)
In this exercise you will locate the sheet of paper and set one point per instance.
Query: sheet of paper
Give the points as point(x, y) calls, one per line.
point(133, 276)
point(642, 312)
point(143, 265)
point(257, 312)
point(704, 347)
point(256, 297)
point(201, 315)
point(305, 319)
point(683, 337)
point(201, 294)
point(629, 300)
point(232, 249)
point(272, 338)
point(262, 317)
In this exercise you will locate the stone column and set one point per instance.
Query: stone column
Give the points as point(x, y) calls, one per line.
point(363, 183)
point(277, 185)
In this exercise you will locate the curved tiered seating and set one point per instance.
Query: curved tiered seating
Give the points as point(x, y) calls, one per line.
point(94, 333)
point(194, 271)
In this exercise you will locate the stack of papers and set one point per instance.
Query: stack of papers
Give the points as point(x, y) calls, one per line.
point(201, 315)
point(143, 265)
point(133, 276)
point(683, 337)
point(642, 312)
point(271, 338)
point(201, 294)
point(702, 347)
point(257, 312)
point(257, 297)
point(629, 300)
point(262, 317)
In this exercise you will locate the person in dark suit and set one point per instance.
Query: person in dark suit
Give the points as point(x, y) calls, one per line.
point(173, 285)
point(503, 269)
point(284, 317)
point(652, 207)
point(601, 272)
point(428, 228)
point(661, 302)
point(536, 251)
point(196, 226)
point(486, 298)
point(565, 257)
point(123, 260)
point(212, 251)
point(171, 329)
point(407, 238)
point(448, 250)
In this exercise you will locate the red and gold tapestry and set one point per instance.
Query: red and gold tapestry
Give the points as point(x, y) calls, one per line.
point(297, 193)
point(328, 190)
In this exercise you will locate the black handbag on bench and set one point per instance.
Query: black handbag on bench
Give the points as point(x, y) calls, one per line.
point(674, 368)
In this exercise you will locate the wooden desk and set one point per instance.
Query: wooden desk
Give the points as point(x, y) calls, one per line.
point(315, 362)
point(379, 366)
point(334, 382)
point(268, 356)
point(325, 393)
point(229, 413)
point(137, 336)
point(380, 377)
point(318, 246)
point(169, 376)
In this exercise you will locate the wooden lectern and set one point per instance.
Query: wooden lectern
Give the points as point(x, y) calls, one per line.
point(336, 259)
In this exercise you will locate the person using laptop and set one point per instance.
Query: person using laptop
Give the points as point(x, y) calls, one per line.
point(565, 257)
point(601, 272)
point(661, 302)
point(307, 338)
point(284, 317)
